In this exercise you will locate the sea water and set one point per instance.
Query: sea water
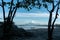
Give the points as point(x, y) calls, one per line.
point(34, 27)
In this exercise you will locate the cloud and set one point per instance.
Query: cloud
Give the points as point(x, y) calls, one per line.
point(35, 15)
point(38, 22)
point(32, 15)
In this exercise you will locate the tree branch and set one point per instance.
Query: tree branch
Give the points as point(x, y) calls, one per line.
point(55, 17)
point(3, 10)
point(15, 11)
point(14, 14)
point(48, 10)
point(57, 3)
point(10, 11)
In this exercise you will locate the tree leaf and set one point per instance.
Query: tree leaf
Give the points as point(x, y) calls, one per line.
point(50, 1)
point(45, 5)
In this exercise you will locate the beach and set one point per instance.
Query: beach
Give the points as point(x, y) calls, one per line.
point(40, 34)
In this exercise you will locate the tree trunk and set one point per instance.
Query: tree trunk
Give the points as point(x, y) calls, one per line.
point(3, 10)
point(14, 14)
point(49, 26)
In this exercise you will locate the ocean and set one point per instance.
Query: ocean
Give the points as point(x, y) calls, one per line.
point(33, 27)
point(41, 32)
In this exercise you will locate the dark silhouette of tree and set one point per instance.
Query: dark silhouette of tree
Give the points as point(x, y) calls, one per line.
point(13, 7)
point(3, 9)
point(44, 3)
point(50, 22)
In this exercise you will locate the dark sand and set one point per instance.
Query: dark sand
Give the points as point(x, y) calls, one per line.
point(40, 34)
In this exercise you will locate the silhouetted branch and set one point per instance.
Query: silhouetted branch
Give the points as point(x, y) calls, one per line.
point(14, 13)
point(57, 3)
point(17, 6)
point(3, 10)
point(55, 17)
point(10, 11)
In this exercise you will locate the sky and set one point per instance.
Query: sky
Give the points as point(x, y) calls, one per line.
point(35, 15)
